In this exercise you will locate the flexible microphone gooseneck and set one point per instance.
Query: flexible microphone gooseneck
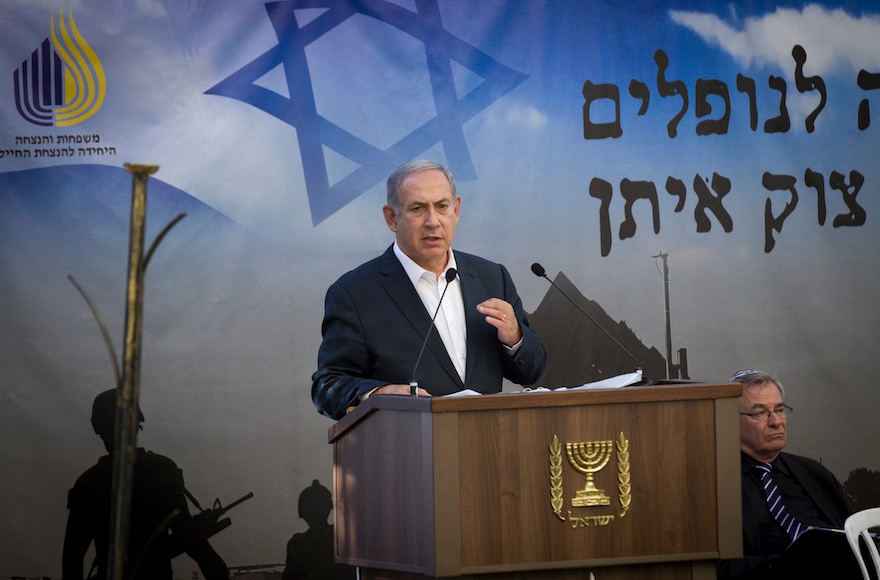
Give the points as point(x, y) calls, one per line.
point(538, 270)
point(414, 384)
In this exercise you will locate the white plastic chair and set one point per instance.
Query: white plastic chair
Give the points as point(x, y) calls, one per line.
point(857, 525)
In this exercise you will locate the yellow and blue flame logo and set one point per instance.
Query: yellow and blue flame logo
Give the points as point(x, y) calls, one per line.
point(62, 83)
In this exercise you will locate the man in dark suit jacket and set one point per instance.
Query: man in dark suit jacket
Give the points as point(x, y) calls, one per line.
point(377, 316)
point(809, 491)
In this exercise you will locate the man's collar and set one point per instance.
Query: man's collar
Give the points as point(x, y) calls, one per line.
point(413, 270)
point(748, 462)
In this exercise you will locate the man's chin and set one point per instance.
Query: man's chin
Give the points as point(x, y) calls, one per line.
point(434, 250)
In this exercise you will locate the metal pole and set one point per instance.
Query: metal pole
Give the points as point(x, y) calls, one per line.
point(669, 364)
point(125, 435)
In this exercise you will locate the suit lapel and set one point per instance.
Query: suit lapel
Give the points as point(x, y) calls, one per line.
point(816, 493)
point(473, 319)
point(402, 293)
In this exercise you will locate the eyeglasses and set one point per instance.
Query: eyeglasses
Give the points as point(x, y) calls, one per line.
point(764, 414)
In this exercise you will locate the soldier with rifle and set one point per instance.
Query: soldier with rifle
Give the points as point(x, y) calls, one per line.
point(161, 524)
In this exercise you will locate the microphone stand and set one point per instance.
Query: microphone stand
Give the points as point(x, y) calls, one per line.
point(538, 270)
point(451, 273)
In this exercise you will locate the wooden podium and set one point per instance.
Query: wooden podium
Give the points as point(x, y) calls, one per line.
point(637, 482)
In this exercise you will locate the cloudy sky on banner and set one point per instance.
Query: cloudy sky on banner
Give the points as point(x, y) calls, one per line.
point(838, 42)
point(159, 112)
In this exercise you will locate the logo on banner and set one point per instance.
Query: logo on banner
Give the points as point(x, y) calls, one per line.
point(315, 132)
point(62, 83)
point(591, 505)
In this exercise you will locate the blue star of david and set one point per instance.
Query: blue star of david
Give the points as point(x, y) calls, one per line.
point(314, 132)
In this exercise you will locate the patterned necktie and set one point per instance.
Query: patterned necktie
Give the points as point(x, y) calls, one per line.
point(774, 501)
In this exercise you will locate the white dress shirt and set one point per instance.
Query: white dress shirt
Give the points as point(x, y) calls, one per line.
point(450, 322)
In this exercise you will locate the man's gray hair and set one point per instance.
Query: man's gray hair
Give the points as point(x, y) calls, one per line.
point(395, 179)
point(752, 377)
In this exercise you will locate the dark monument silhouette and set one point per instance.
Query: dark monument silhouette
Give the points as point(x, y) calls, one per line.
point(578, 351)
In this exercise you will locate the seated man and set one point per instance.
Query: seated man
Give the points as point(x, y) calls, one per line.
point(802, 492)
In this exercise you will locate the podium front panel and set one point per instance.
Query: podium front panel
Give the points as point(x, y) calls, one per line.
point(506, 484)
point(525, 500)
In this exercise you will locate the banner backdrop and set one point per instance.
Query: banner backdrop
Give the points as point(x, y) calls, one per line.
point(734, 141)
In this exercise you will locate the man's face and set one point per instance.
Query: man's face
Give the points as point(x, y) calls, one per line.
point(426, 220)
point(762, 440)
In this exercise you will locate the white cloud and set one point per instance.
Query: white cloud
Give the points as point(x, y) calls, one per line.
point(528, 117)
point(835, 41)
point(151, 7)
point(55, 5)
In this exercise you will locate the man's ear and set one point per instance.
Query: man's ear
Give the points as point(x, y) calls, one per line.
point(390, 218)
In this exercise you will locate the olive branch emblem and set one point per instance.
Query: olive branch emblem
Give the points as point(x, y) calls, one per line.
point(556, 478)
point(623, 476)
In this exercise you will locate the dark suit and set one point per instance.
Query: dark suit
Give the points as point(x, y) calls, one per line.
point(375, 324)
point(819, 486)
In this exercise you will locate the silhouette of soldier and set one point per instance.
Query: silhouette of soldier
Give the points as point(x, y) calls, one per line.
point(158, 506)
point(310, 554)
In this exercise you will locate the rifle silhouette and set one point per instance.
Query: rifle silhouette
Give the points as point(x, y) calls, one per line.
point(207, 522)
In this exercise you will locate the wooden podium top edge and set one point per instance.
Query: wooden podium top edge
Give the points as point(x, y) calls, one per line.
point(533, 399)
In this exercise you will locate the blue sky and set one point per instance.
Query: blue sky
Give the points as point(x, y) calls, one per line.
point(559, 48)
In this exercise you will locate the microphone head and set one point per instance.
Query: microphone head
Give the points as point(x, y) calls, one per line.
point(450, 275)
point(538, 270)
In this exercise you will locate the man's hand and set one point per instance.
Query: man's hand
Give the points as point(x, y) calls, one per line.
point(390, 390)
point(500, 315)
point(399, 390)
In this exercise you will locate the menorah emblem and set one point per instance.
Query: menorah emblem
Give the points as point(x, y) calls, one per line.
point(588, 458)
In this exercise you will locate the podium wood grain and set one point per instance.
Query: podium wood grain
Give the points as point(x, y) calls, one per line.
point(454, 487)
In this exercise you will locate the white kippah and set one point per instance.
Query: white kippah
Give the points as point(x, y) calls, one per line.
point(740, 374)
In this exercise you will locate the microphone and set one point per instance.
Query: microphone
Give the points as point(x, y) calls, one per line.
point(538, 270)
point(414, 384)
